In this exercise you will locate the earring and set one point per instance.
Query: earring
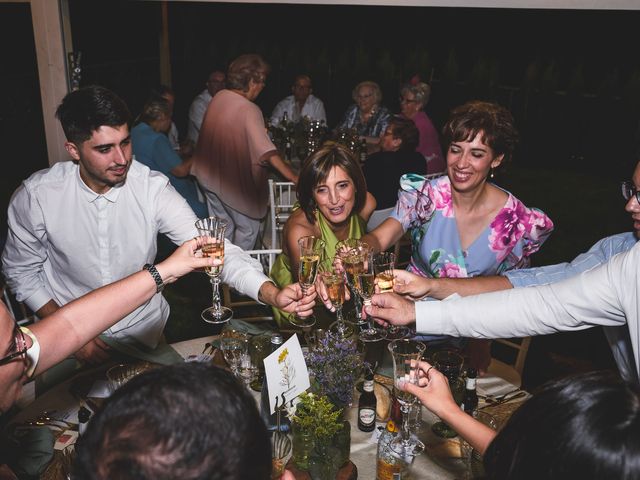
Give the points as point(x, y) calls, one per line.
point(491, 175)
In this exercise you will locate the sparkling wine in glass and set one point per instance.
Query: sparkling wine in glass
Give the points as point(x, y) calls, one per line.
point(212, 229)
point(311, 250)
point(334, 283)
point(351, 253)
point(405, 354)
point(383, 265)
point(365, 281)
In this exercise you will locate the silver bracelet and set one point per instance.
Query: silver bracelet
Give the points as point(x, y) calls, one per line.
point(156, 276)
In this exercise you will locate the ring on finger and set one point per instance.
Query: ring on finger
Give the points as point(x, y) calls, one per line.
point(429, 370)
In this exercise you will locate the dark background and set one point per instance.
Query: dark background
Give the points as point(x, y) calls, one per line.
point(571, 79)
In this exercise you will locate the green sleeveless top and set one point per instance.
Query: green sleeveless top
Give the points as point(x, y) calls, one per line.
point(281, 270)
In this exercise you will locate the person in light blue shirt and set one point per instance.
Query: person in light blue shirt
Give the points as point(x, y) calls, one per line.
point(601, 252)
point(151, 147)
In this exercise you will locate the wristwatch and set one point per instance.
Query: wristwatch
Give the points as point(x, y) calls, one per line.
point(156, 276)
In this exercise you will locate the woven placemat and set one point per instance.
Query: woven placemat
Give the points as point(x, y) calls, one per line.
point(503, 411)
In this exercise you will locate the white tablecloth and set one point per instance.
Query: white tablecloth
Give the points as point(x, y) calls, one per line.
point(363, 449)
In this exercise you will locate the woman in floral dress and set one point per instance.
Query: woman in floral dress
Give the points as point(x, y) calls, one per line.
point(461, 225)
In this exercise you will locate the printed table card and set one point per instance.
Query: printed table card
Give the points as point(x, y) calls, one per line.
point(286, 373)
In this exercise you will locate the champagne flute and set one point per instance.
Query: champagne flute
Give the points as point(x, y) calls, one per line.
point(351, 253)
point(212, 229)
point(365, 281)
point(334, 283)
point(383, 265)
point(405, 354)
point(311, 249)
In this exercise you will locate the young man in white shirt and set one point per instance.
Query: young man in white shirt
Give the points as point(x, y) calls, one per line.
point(83, 224)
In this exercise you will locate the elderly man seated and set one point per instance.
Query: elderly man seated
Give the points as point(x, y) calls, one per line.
point(301, 104)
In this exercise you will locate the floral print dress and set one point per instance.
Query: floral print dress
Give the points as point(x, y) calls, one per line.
point(426, 209)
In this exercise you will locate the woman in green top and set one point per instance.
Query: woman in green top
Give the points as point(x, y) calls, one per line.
point(333, 204)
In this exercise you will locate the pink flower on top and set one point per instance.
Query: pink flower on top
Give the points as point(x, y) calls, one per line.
point(507, 228)
point(451, 270)
point(442, 197)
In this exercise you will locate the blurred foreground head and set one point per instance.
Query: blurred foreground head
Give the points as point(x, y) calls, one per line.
point(188, 421)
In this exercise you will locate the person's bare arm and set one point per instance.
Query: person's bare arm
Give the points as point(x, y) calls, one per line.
point(434, 393)
point(418, 287)
point(384, 235)
point(273, 159)
point(47, 309)
point(83, 319)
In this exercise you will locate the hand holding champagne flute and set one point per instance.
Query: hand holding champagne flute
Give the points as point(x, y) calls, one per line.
point(212, 230)
point(383, 265)
point(311, 249)
point(365, 281)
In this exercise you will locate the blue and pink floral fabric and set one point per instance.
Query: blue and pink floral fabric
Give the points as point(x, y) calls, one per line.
point(426, 209)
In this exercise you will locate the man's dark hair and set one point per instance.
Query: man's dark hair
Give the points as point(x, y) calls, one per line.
point(584, 426)
point(84, 111)
point(187, 421)
point(405, 130)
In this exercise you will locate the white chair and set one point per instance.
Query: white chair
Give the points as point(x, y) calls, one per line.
point(511, 368)
point(377, 217)
point(282, 197)
point(238, 302)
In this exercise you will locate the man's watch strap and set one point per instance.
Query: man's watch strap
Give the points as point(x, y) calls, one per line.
point(156, 276)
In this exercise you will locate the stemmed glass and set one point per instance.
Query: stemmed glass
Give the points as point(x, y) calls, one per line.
point(311, 249)
point(405, 354)
point(365, 281)
point(351, 253)
point(234, 345)
point(383, 265)
point(212, 229)
point(334, 283)
point(449, 363)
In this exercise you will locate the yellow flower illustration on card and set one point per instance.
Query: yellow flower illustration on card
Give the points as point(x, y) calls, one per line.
point(283, 355)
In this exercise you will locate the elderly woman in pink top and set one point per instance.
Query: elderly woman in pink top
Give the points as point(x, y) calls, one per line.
point(413, 98)
point(234, 153)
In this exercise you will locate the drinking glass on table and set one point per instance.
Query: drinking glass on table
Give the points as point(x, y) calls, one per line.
point(351, 253)
point(311, 249)
point(449, 363)
point(365, 281)
point(212, 229)
point(383, 265)
point(334, 283)
point(234, 345)
point(405, 354)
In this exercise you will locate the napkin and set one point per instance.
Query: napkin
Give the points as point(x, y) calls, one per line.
point(163, 354)
point(493, 385)
point(30, 450)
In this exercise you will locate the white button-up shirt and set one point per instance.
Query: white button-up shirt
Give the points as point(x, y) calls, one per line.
point(607, 295)
point(313, 108)
point(196, 115)
point(65, 240)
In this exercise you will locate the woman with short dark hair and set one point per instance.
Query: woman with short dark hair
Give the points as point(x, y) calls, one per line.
point(333, 205)
point(461, 224)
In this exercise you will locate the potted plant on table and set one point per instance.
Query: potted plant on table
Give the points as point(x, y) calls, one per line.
point(315, 421)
